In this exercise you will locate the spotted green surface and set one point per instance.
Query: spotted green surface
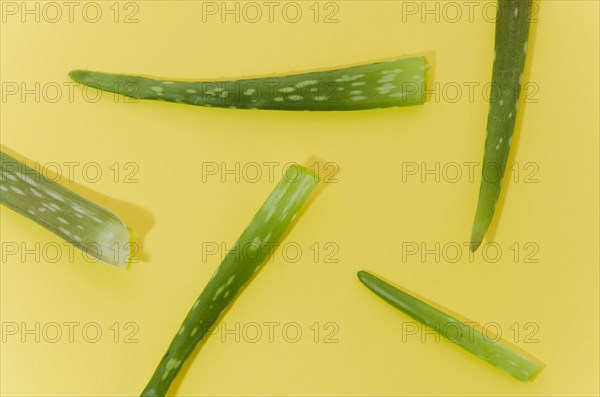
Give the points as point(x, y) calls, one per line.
point(512, 31)
point(98, 232)
point(249, 252)
point(394, 83)
point(487, 348)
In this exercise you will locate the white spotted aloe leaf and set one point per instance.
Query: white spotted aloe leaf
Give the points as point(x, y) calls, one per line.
point(395, 83)
point(95, 230)
point(512, 32)
point(239, 265)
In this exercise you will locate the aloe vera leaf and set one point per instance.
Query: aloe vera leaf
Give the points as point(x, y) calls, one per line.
point(488, 349)
point(95, 230)
point(249, 252)
point(377, 85)
point(512, 31)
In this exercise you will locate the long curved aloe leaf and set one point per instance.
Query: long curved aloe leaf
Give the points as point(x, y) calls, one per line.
point(512, 31)
point(377, 85)
point(249, 252)
point(98, 232)
point(488, 349)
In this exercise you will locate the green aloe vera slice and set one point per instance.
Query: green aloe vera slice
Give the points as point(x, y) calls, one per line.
point(489, 349)
point(400, 82)
point(98, 232)
point(512, 31)
point(249, 252)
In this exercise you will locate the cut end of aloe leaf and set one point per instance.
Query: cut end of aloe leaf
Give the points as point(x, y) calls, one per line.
point(395, 83)
point(98, 232)
point(490, 349)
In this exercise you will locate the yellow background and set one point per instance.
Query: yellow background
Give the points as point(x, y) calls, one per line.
point(368, 214)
